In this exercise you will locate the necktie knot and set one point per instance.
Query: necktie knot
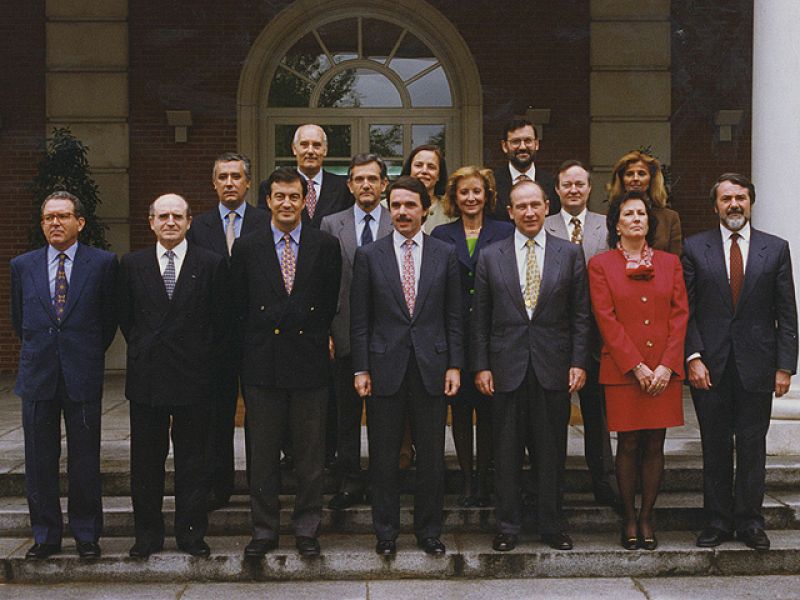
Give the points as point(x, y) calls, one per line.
point(735, 238)
point(522, 177)
point(531, 244)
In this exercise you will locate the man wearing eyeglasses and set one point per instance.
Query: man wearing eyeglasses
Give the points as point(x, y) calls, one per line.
point(520, 145)
point(62, 309)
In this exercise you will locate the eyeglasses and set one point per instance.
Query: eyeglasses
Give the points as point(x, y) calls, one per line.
point(49, 218)
point(517, 142)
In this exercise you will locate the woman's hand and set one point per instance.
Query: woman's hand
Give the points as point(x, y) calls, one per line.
point(660, 381)
point(643, 375)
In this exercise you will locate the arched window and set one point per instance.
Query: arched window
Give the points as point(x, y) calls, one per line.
point(377, 79)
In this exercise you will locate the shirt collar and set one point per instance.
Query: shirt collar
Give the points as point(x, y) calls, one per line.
point(317, 179)
point(277, 234)
point(375, 213)
point(52, 253)
point(531, 172)
point(399, 239)
point(568, 217)
point(520, 239)
point(239, 210)
point(179, 250)
point(727, 233)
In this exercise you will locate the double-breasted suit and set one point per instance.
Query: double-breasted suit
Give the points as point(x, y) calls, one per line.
point(285, 370)
point(596, 441)
point(406, 356)
point(342, 226)
point(742, 348)
point(530, 359)
point(61, 368)
point(174, 351)
point(208, 231)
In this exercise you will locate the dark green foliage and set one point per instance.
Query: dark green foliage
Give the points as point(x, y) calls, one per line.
point(65, 166)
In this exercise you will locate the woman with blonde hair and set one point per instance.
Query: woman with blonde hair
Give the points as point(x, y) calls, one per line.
point(469, 198)
point(637, 171)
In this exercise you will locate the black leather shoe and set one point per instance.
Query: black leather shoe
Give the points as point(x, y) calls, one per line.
point(754, 538)
point(195, 548)
point(88, 549)
point(307, 546)
point(649, 543)
point(386, 548)
point(432, 545)
point(557, 541)
point(143, 549)
point(628, 542)
point(257, 548)
point(41, 551)
point(344, 500)
point(503, 542)
point(711, 537)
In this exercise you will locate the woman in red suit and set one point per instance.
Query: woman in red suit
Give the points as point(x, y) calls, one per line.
point(639, 302)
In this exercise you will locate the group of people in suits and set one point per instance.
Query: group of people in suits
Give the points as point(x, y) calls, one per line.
point(339, 282)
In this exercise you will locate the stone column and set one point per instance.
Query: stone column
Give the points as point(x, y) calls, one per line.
point(776, 152)
point(87, 90)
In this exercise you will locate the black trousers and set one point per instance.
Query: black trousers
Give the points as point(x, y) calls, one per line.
point(596, 441)
point(270, 413)
point(151, 429)
point(732, 417)
point(348, 444)
point(41, 423)
point(385, 428)
point(541, 417)
point(221, 467)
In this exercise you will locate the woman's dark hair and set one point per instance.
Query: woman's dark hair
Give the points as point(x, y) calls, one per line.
point(614, 210)
point(441, 184)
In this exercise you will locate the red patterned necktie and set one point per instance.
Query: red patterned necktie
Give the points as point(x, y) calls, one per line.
point(737, 269)
point(311, 198)
point(288, 263)
point(60, 299)
point(409, 289)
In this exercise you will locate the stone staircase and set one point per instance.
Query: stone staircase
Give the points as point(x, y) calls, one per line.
point(348, 544)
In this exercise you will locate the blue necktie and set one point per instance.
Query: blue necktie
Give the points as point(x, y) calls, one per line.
point(366, 234)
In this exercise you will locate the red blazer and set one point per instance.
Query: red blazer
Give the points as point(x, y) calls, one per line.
point(639, 321)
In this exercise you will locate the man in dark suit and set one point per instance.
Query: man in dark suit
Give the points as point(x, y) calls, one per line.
point(173, 311)
point(62, 309)
point(741, 347)
point(520, 143)
point(576, 223)
point(286, 285)
point(354, 227)
point(217, 230)
point(530, 347)
point(406, 332)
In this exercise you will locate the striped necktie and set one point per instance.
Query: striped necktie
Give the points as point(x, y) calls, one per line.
point(169, 274)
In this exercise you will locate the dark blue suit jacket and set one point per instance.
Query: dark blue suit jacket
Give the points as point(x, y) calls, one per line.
point(74, 347)
point(383, 334)
point(453, 234)
point(762, 331)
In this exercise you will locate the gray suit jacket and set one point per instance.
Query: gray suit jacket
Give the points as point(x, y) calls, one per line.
point(556, 337)
point(595, 234)
point(342, 226)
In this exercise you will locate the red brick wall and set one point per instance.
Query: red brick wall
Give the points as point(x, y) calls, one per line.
point(22, 128)
point(712, 70)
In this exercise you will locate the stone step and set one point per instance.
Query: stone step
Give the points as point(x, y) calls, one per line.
point(352, 557)
point(676, 511)
point(682, 473)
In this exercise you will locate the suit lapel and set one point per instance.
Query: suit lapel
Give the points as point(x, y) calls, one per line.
point(555, 226)
point(756, 258)
point(270, 262)
point(216, 233)
point(184, 285)
point(392, 273)
point(80, 270)
point(510, 274)
point(715, 257)
point(41, 280)
point(307, 254)
point(551, 272)
point(249, 224)
point(153, 281)
point(427, 271)
point(347, 228)
point(385, 224)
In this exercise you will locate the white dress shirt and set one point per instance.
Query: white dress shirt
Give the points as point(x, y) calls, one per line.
point(316, 181)
point(743, 242)
point(360, 213)
point(568, 224)
point(180, 254)
point(531, 173)
point(521, 251)
point(416, 252)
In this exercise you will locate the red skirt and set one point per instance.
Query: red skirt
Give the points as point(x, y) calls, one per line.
point(628, 408)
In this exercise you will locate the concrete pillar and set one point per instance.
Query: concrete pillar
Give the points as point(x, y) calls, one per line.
point(87, 89)
point(776, 148)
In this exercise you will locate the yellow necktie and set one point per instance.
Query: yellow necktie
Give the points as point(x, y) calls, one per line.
point(532, 277)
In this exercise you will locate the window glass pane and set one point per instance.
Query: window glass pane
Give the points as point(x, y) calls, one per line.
point(289, 90)
point(359, 88)
point(338, 142)
point(412, 57)
point(386, 140)
point(341, 39)
point(394, 168)
point(307, 58)
point(428, 134)
point(431, 90)
point(283, 139)
point(378, 38)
